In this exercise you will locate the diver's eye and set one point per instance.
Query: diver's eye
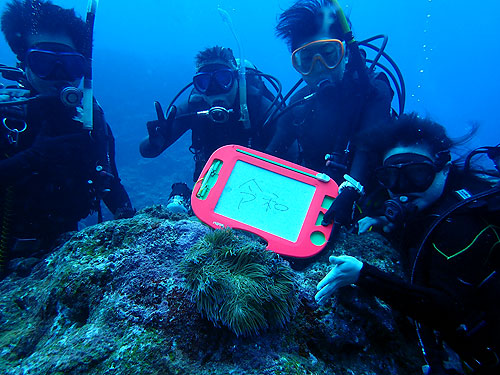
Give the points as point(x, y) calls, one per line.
point(329, 50)
point(306, 57)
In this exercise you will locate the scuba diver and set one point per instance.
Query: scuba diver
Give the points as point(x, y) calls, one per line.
point(213, 112)
point(53, 171)
point(444, 219)
point(342, 97)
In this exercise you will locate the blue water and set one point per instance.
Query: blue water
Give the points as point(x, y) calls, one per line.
point(144, 50)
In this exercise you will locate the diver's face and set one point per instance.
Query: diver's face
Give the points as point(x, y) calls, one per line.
point(217, 84)
point(320, 71)
point(52, 63)
point(410, 157)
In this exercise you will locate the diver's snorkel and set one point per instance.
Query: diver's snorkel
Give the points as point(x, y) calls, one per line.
point(355, 58)
point(88, 96)
point(244, 115)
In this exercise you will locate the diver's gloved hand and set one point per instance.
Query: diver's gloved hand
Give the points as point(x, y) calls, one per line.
point(159, 130)
point(340, 212)
point(125, 212)
point(367, 223)
point(345, 272)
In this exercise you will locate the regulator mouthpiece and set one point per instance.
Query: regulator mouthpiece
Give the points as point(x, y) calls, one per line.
point(399, 209)
point(71, 96)
point(216, 114)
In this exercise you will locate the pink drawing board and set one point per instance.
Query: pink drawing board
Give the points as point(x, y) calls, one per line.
point(280, 201)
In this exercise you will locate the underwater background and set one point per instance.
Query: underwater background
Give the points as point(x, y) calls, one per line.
point(111, 299)
point(144, 50)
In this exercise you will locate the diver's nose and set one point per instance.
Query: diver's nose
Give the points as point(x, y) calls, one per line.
point(59, 74)
point(218, 103)
point(317, 64)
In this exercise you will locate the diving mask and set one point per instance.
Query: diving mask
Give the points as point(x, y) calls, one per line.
point(219, 81)
point(408, 172)
point(55, 62)
point(327, 51)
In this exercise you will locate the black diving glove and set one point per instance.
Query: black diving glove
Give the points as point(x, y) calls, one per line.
point(159, 130)
point(341, 210)
point(125, 212)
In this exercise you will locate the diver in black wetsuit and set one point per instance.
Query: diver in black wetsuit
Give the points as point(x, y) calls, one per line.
point(445, 221)
point(341, 99)
point(213, 113)
point(52, 172)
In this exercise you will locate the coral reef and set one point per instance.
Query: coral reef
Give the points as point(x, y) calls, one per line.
point(112, 300)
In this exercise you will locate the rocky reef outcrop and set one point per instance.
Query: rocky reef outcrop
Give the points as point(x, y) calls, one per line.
point(112, 300)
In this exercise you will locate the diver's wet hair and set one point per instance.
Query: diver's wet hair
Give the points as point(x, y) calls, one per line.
point(216, 55)
point(411, 130)
point(30, 17)
point(304, 19)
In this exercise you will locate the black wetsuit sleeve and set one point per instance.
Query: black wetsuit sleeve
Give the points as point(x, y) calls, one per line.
point(376, 111)
point(429, 306)
point(181, 124)
point(360, 166)
point(284, 136)
point(117, 198)
point(378, 107)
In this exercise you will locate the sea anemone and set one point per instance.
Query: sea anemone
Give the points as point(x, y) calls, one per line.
point(237, 283)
